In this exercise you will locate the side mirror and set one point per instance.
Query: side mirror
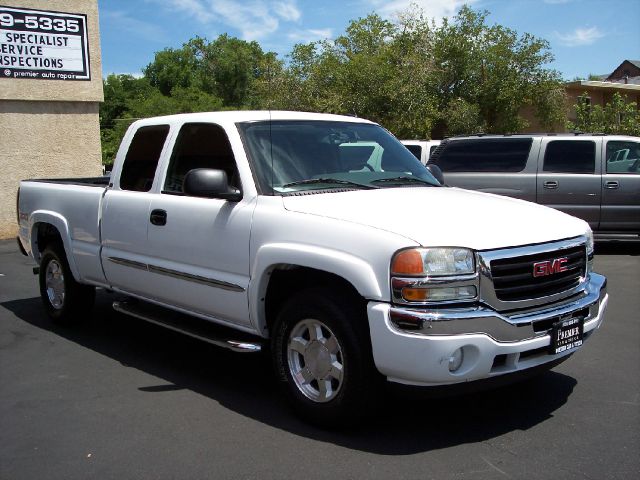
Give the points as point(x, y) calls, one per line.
point(436, 172)
point(209, 183)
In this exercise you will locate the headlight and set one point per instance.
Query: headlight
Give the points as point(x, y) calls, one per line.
point(427, 276)
point(590, 244)
point(433, 262)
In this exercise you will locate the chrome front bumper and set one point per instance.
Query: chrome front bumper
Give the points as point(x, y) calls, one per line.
point(413, 346)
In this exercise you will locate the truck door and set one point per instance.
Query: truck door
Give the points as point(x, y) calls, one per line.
point(621, 187)
point(125, 213)
point(198, 248)
point(569, 178)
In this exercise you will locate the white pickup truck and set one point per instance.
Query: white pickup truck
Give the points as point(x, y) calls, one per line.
point(325, 239)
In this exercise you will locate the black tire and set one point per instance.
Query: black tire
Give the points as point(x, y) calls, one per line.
point(342, 401)
point(65, 300)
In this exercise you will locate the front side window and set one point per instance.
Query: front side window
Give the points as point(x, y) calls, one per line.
point(200, 145)
point(570, 156)
point(484, 155)
point(142, 158)
point(623, 157)
point(294, 155)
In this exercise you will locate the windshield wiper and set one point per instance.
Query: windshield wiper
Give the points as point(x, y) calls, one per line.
point(335, 181)
point(403, 179)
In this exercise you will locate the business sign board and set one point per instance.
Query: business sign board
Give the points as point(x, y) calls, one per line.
point(43, 45)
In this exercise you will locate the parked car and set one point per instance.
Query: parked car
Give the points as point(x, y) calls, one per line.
point(421, 149)
point(248, 229)
point(593, 177)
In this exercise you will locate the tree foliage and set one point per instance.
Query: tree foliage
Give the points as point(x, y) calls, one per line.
point(416, 78)
point(201, 76)
point(619, 116)
point(419, 79)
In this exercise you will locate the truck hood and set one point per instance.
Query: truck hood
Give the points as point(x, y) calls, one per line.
point(444, 216)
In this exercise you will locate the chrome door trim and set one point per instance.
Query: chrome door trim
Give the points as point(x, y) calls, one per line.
point(128, 263)
point(210, 282)
point(196, 279)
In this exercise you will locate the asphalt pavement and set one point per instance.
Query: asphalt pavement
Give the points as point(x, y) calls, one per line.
point(119, 398)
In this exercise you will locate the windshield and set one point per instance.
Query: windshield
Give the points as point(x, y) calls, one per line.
point(289, 156)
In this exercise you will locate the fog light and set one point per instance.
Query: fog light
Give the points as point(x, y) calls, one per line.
point(456, 359)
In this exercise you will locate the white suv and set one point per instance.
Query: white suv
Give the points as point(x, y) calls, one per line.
point(421, 149)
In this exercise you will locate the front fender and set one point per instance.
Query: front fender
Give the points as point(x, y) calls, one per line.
point(353, 269)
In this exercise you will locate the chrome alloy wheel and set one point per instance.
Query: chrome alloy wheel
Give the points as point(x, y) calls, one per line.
point(315, 360)
point(54, 281)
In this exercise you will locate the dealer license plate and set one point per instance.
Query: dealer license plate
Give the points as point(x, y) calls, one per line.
point(566, 335)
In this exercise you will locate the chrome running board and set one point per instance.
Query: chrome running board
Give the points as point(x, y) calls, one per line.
point(194, 327)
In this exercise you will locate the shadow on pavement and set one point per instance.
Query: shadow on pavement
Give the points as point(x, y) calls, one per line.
point(244, 383)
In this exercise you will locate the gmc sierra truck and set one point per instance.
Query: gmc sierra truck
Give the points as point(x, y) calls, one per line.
point(323, 238)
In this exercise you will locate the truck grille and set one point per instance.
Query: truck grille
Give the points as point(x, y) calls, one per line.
point(513, 278)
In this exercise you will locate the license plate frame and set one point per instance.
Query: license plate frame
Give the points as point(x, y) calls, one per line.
point(566, 334)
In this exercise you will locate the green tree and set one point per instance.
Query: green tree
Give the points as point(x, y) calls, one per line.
point(414, 77)
point(495, 70)
point(227, 73)
point(619, 116)
point(174, 68)
point(419, 79)
point(230, 67)
point(364, 72)
point(227, 68)
point(120, 93)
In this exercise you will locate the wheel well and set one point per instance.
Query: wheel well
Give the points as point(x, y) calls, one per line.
point(46, 235)
point(287, 280)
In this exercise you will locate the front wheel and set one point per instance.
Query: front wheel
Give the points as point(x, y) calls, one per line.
point(65, 300)
point(322, 355)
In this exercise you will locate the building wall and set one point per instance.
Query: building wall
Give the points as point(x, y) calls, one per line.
point(49, 128)
point(599, 93)
point(44, 140)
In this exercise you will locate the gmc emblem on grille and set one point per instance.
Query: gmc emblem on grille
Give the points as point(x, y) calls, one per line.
point(550, 267)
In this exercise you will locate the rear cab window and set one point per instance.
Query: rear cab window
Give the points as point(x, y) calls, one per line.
point(143, 155)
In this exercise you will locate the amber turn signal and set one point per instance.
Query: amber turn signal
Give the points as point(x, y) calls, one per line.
point(407, 262)
point(415, 294)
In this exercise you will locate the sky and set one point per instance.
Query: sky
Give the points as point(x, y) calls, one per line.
point(586, 36)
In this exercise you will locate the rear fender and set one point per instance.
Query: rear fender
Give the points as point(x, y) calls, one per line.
point(57, 221)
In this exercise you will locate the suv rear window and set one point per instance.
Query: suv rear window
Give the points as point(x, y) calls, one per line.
point(484, 155)
point(570, 156)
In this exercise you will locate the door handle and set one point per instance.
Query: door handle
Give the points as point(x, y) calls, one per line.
point(158, 217)
point(612, 185)
point(551, 185)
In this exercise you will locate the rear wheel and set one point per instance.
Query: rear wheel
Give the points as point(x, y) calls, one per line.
point(322, 355)
point(65, 300)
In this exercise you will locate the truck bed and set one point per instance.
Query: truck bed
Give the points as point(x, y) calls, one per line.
point(73, 206)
